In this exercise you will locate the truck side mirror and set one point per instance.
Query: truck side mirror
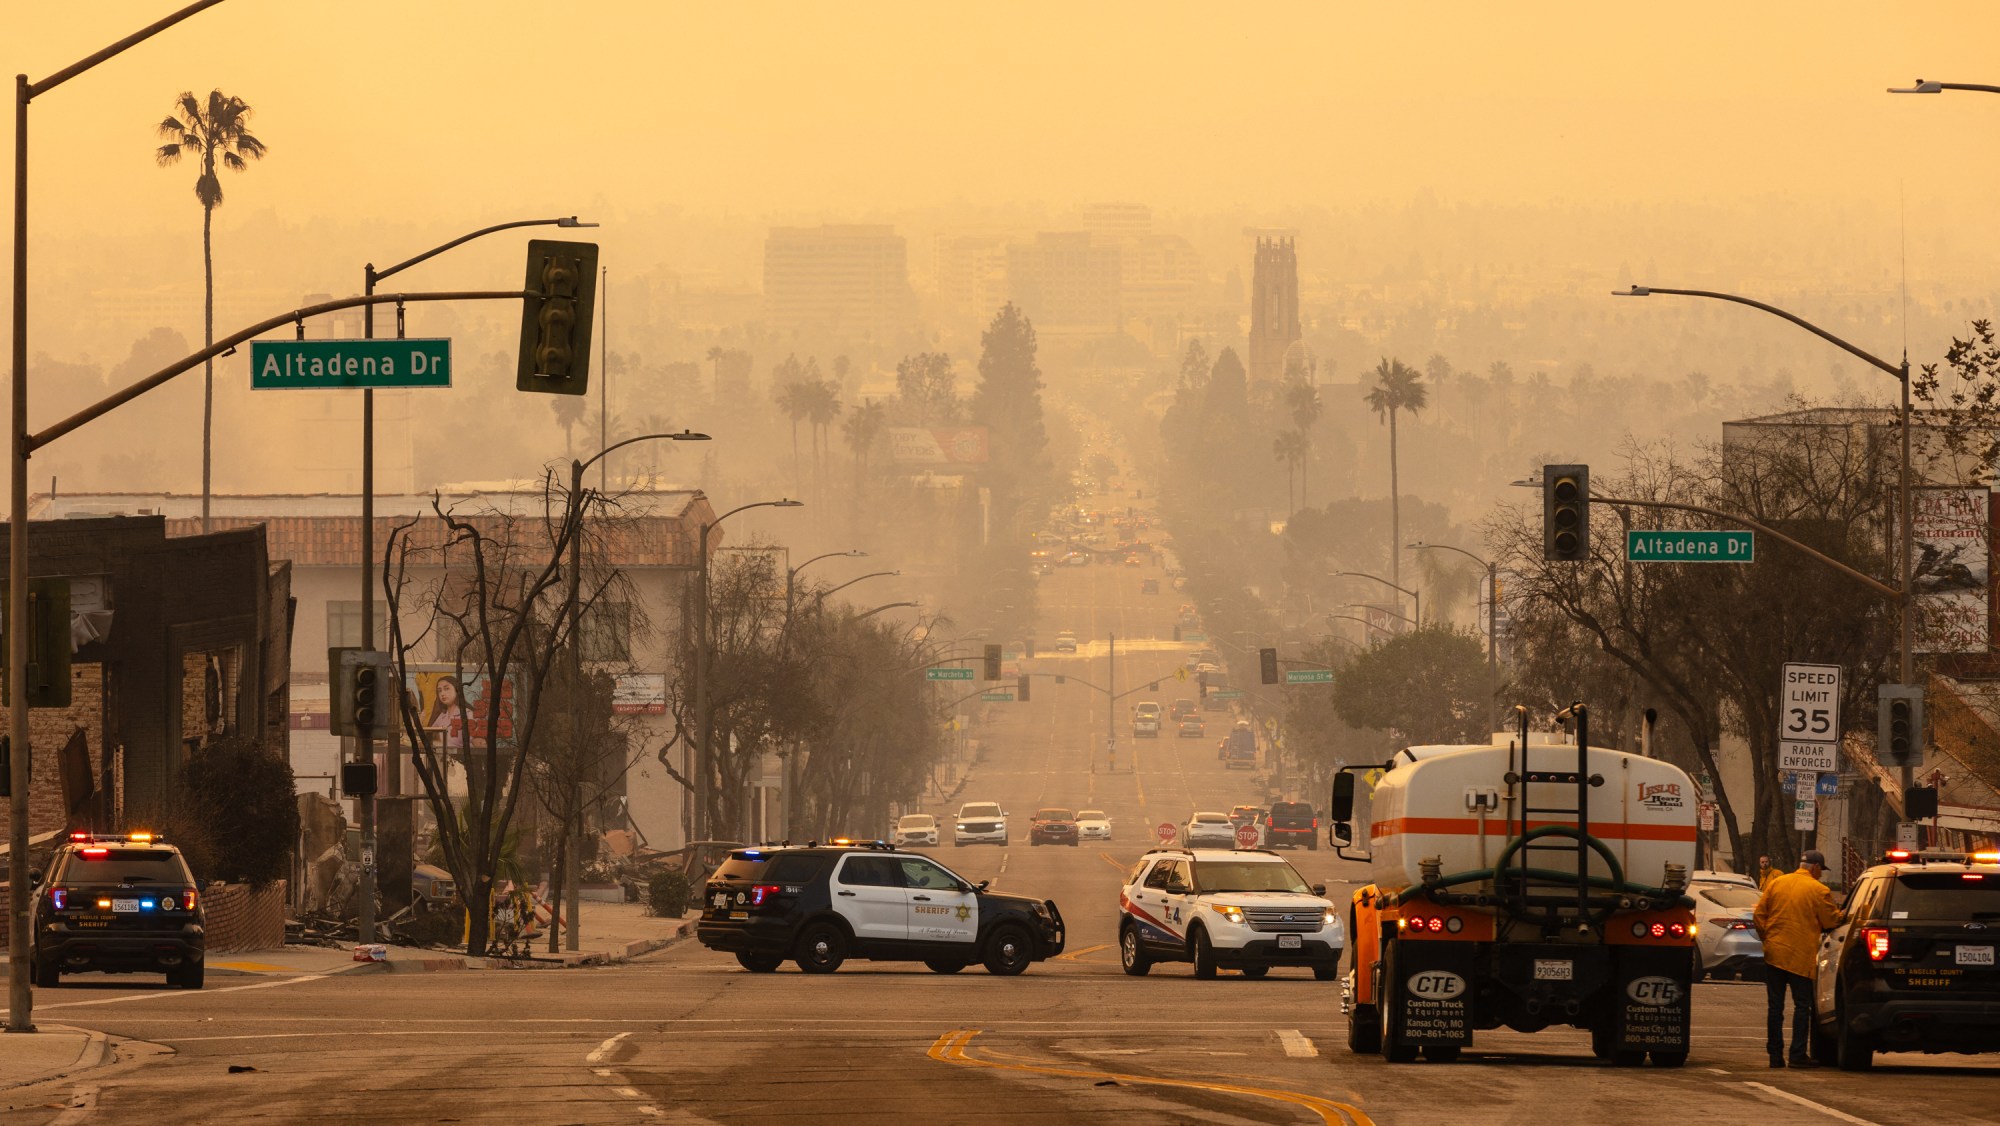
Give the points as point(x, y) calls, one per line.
point(1342, 834)
point(1343, 798)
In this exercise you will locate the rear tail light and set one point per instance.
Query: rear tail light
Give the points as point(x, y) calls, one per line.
point(187, 900)
point(1876, 940)
point(59, 898)
point(762, 892)
point(96, 853)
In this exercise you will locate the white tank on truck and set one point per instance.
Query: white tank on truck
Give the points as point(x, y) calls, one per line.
point(1451, 805)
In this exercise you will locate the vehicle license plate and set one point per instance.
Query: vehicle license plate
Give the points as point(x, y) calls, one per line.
point(1975, 956)
point(1294, 942)
point(131, 907)
point(1549, 969)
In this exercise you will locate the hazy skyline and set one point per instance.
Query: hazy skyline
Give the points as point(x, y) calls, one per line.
point(447, 108)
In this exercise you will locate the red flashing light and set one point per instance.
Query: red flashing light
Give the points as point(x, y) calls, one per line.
point(96, 853)
point(1678, 930)
point(1876, 940)
point(79, 834)
point(1971, 876)
point(761, 892)
point(1658, 930)
point(1899, 854)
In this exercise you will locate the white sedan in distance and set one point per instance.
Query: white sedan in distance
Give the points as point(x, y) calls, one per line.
point(1092, 825)
point(916, 829)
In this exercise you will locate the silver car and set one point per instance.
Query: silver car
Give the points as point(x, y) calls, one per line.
point(1092, 825)
point(1208, 829)
point(916, 829)
point(1726, 942)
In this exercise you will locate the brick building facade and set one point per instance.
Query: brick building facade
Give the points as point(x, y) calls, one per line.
point(177, 641)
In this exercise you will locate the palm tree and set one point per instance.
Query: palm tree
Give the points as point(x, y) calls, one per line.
point(218, 131)
point(1302, 399)
point(864, 424)
point(569, 411)
point(1290, 446)
point(1398, 387)
point(822, 407)
point(792, 399)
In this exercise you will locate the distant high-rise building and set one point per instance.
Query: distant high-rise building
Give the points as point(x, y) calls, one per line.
point(1274, 306)
point(849, 278)
point(1067, 280)
point(1117, 222)
point(971, 273)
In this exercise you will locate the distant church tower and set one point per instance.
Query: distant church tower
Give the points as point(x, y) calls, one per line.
point(1274, 307)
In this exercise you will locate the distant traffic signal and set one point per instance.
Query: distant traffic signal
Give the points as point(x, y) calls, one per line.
point(1566, 513)
point(555, 321)
point(993, 662)
point(1900, 734)
point(1267, 665)
point(1021, 690)
point(364, 697)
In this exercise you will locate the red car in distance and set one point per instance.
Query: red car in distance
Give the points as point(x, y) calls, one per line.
point(1052, 826)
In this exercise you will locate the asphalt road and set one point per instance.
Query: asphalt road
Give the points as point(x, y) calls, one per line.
point(686, 1036)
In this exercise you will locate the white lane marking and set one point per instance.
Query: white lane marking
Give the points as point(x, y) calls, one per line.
point(185, 993)
point(1296, 1043)
point(653, 1110)
point(1717, 1071)
point(602, 1072)
point(604, 1049)
point(628, 1092)
point(1003, 862)
point(1809, 1104)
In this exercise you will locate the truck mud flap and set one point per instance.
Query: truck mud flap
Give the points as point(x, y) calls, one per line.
point(1432, 992)
point(1652, 1000)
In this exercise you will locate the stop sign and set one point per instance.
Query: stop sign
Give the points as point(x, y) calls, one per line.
point(1166, 832)
point(1246, 836)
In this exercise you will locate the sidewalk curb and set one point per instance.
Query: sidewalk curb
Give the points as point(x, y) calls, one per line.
point(683, 930)
point(96, 1052)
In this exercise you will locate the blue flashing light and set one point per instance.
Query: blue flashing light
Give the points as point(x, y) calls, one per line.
point(146, 904)
point(751, 852)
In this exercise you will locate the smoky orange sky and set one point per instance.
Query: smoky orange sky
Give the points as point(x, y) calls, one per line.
point(446, 108)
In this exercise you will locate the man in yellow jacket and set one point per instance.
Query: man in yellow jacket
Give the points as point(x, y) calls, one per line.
point(1792, 913)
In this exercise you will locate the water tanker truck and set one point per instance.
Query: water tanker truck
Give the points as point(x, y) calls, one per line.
point(1527, 883)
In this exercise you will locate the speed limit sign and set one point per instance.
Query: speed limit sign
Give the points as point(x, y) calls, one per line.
point(1809, 719)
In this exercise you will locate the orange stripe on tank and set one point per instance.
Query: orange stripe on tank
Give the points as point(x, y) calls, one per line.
point(1497, 827)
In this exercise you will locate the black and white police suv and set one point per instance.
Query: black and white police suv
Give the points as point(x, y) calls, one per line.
point(117, 903)
point(1912, 966)
point(820, 905)
point(1241, 909)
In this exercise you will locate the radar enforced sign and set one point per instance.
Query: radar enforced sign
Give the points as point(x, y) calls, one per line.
point(1809, 724)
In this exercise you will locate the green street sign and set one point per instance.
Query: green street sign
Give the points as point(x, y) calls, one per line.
point(1194, 637)
point(1308, 676)
point(278, 364)
point(1227, 693)
point(948, 674)
point(997, 697)
point(1690, 547)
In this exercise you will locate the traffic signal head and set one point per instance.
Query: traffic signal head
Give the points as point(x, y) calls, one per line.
point(364, 693)
point(1267, 665)
point(1900, 735)
point(993, 662)
point(556, 318)
point(1021, 690)
point(1566, 513)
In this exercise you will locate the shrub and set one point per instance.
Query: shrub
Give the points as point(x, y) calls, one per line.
point(246, 798)
point(668, 894)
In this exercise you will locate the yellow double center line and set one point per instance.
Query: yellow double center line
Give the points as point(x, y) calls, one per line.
point(950, 1048)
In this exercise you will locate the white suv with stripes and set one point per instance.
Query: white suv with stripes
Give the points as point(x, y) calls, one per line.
point(1240, 909)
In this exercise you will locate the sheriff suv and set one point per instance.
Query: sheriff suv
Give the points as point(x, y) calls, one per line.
point(122, 903)
point(1240, 909)
point(1911, 967)
point(820, 905)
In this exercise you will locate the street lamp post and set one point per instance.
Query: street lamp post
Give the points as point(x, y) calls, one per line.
point(1906, 665)
point(1492, 629)
point(572, 613)
point(704, 641)
point(790, 759)
point(364, 744)
point(20, 999)
point(1415, 598)
point(822, 596)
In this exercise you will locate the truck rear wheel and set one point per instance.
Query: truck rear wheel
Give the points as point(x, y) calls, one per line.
point(1389, 1004)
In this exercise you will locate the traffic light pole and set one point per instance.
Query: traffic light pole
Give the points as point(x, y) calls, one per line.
point(20, 998)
